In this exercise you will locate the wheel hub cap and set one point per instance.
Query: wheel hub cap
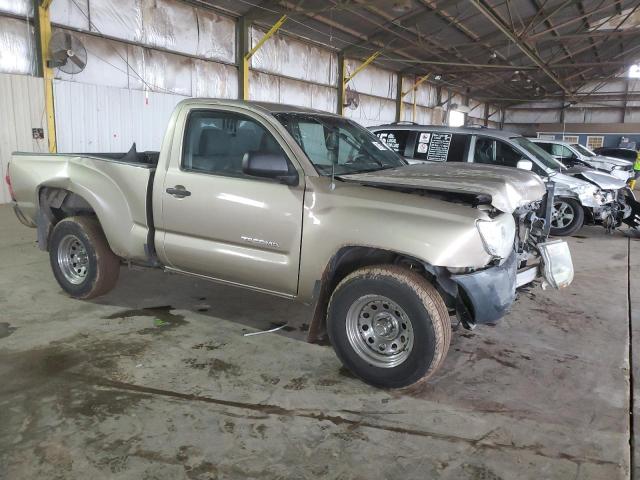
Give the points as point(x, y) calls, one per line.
point(562, 215)
point(379, 331)
point(73, 259)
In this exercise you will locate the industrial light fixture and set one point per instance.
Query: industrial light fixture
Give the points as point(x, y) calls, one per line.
point(401, 6)
point(516, 77)
point(528, 84)
point(493, 57)
point(438, 77)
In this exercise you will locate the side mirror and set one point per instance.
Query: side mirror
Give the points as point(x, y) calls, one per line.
point(525, 164)
point(269, 165)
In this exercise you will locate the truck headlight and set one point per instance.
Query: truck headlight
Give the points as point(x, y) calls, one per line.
point(497, 235)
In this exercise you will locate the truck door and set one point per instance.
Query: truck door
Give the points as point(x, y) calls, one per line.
point(217, 221)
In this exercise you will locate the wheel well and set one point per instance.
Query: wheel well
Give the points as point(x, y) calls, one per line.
point(55, 204)
point(345, 261)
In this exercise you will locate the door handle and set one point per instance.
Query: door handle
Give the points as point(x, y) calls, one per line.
point(178, 191)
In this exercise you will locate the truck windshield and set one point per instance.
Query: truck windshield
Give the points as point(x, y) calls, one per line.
point(543, 157)
point(583, 150)
point(338, 143)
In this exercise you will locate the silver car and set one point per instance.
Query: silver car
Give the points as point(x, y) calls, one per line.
point(575, 155)
point(582, 195)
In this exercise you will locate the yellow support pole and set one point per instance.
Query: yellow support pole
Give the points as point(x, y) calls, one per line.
point(348, 78)
point(245, 60)
point(418, 82)
point(47, 72)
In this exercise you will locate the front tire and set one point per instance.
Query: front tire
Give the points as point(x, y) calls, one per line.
point(81, 260)
point(389, 326)
point(567, 217)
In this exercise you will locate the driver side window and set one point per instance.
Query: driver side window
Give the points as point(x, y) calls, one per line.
point(216, 142)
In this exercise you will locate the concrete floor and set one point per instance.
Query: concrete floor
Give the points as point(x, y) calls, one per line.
point(155, 380)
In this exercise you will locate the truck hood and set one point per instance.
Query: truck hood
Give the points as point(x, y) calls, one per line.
point(509, 188)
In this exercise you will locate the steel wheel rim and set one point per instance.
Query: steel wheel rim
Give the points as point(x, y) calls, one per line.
point(73, 259)
point(379, 331)
point(563, 214)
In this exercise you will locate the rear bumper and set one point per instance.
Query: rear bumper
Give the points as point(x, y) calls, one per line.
point(491, 292)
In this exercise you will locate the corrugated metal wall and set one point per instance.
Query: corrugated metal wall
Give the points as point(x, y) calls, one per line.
point(96, 118)
point(21, 110)
point(158, 52)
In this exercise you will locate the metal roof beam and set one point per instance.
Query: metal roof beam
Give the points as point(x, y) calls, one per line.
point(488, 12)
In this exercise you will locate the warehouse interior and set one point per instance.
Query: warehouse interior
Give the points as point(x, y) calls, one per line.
point(159, 379)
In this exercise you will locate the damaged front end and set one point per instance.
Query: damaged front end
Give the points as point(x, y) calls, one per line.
point(612, 204)
point(485, 296)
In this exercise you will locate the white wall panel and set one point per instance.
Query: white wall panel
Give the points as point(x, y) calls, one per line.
point(118, 18)
point(632, 116)
point(531, 116)
point(476, 109)
point(372, 80)
point(171, 25)
point(95, 118)
point(72, 13)
point(272, 88)
point(166, 24)
point(21, 109)
point(16, 46)
point(214, 80)
point(424, 115)
point(292, 58)
point(16, 7)
point(425, 93)
point(372, 111)
point(216, 36)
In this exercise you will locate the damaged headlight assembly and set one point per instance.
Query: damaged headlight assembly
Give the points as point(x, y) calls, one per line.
point(557, 263)
point(497, 235)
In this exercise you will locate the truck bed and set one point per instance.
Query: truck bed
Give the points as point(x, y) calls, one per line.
point(115, 185)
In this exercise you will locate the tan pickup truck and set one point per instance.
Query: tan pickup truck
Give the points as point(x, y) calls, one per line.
point(304, 205)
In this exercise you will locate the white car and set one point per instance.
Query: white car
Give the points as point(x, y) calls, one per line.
point(576, 155)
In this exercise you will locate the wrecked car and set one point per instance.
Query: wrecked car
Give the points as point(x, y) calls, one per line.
point(582, 195)
point(576, 155)
point(307, 206)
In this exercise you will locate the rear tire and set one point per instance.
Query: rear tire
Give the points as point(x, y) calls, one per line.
point(567, 217)
point(81, 260)
point(389, 326)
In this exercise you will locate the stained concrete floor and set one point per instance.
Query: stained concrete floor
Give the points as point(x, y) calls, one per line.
point(156, 381)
